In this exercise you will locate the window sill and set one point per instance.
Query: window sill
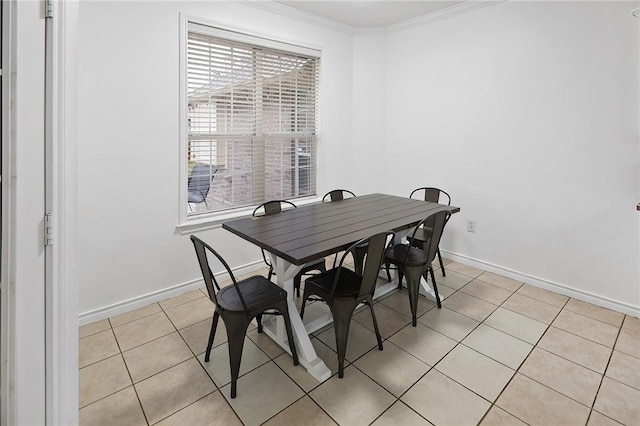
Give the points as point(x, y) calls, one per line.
point(215, 221)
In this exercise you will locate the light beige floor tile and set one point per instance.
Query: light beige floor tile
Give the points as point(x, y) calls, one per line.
point(302, 412)
point(500, 281)
point(191, 312)
point(97, 347)
point(218, 365)
point(399, 414)
point(532, 308)
point(165, 393)
point(449, 323)
point(516, 325)
point(597, 419)
point(624, 368)
point(143, 330)
point(197, 335)
point(423, 342)
point(300, 375)
point(537, 404)
point(119, 409)
point(262, 393)
point(564, 376)
point(629, 338)
point(596, 312)
point(213, 410)
point(181, 299)
point(102, 379)
point(265, 343)
point(469, 306)
point(453, 279)
point(487, 292)
point(134, 315)
point(575, 348)
point(475, 371)
point(360, 341)
point(467, 270)
point(393, 368)
point(498, 417)
point(543, 295)
point(618, 401)
point(591, 329)
point(497, 345)
point(93, 328)
point(146, 360)
point(444, 292)
point(442, 401)
point(339, 397)
point(389, 320)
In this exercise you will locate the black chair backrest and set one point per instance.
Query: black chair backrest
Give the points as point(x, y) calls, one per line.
point(200, 178)
point(433, 195)
point(336, 195)
point(376, 248)
point(437, 222)
point(272, 207)
point(209, 278)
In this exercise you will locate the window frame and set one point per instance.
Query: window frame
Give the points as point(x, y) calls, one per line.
point(188, 224)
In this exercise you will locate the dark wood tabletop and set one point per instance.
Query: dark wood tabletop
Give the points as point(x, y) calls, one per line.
point(317, 230)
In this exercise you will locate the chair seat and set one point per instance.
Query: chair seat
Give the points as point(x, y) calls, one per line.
point(398, 253)
point(348, 284)
point(258, 293)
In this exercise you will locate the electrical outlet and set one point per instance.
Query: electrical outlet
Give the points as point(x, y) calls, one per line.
point(471, 225)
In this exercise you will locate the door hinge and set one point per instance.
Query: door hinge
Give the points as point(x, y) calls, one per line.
point(48, 229)
point(48, 4)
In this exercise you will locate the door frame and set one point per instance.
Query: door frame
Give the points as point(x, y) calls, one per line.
point(61, 275)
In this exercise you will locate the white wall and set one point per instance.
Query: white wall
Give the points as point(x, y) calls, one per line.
point(527, 113)
point(128, 141)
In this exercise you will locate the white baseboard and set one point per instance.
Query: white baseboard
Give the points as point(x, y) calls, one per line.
point(156, 296)
point(546, 284)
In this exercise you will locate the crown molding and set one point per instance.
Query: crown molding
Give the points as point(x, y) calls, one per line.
point(439, 15)
point(301, 15)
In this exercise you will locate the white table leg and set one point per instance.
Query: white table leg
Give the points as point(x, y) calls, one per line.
point(285, 272)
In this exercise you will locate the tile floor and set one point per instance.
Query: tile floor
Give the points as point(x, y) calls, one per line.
point(497, 353)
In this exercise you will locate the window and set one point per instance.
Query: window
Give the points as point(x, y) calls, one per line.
point(251, 120)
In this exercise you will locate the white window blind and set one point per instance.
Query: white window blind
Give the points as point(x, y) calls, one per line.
point(252, 121)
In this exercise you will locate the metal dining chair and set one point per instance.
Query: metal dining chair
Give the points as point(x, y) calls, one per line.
point(433, 195)
point(343, 290)
point(414, 259)
point(238, 304)
point(274, 207)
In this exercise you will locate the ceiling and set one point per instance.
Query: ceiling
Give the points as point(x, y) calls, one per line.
point(369, 13)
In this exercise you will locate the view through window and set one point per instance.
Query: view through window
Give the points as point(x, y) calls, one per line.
point(251, 121)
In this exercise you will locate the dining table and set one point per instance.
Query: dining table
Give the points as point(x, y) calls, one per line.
point(297, 236)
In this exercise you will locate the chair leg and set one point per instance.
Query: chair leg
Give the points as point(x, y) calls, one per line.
point(212, 334)
point(375, 322)
point(236, 331)
point(342, 311)
point(284, 309)
point(435, 287)
point(296, 284)
point(413, 285)
point(441, 264)
point(400, 276)
point(388, 273)
point(270, 273)
point(259, 321)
